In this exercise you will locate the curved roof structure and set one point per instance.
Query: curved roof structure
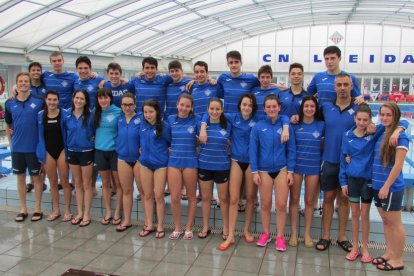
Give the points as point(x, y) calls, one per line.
point(174, 28)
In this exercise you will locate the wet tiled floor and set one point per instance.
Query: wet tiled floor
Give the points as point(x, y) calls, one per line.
point(50, 248)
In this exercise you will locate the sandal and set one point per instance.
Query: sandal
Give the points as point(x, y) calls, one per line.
point(379, 260)
point(175, 235)
point(67, 217)
point(122, 228)
point(188, 235)
point(145, 232)
point(352, 256)
point(85, 223)
point(293, 241)
point(388, 267)
point(106, 221)
point(224, 236)
point(21, 217)
point(37, 216)
point(345, 245)
point(116, 221)
point(76, 221)
point(184, 197)
point(53, 217)
point(366, 259)
point(225, 246)
point(322, 244)
point(160, 234)
point(203, 235)
point(248, 238)
point(308, 243)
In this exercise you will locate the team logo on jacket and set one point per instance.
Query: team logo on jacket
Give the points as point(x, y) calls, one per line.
point(368, 138)
point(243, 84)
point(252, 123)
point(137, 121)
point(316, 134)
point(279, 131)
point(33, 105)
point(89, 88)
point(190, 129)
point(155, 132)
point(207, 92)
point(64, 83)
point(324, 79)
point(110, 117)
point(223, 132)
point(182, 87)
point(351, 111)
point(264, 129)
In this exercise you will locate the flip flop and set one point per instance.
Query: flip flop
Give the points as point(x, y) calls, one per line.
point(122, 228)
point(366, 259)
point(225, 246)
point(21, 217)
point(242, 208)
point(53, 217)
point(76, 221)
point(67, 217)
point(188, 235)
point(37, 216)
point(116, 221)
point(160, 234)
point(106, 221)
point(352, 256)
point(146, 232)
point(248, 238)
point(388, 267)
point(203, 235)
point(84, 223)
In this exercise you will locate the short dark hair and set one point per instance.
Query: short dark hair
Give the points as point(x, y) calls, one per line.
point(265, 69)
point(201, 63)
point(332, 50)
point(83, 59)
point(150, 60)
point(175, 64)
point(271, 97)
point(344, 75)
point(114, 66)
point(22, 74)
point(296, 65)
point(54, 54)
point(34, 64)
point(234, 54)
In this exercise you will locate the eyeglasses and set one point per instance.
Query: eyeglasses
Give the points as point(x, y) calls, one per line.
point(127, 105)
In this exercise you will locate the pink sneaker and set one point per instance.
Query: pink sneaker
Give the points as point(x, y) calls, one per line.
point(280, 244)
point(264, 239)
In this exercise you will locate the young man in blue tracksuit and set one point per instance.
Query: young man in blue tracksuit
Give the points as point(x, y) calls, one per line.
point(265, 75)
point(59, 80)
point(114, 72)
point(37, 88)
point(202, 90)
point(175, 88)
point(21, 118)
point(85, 81)
point(323, 83)
point(235, 83)
point(151, 85)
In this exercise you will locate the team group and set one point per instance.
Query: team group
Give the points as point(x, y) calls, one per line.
point(240, 131)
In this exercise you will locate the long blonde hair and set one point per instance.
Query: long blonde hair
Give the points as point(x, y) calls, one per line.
point(388, 151)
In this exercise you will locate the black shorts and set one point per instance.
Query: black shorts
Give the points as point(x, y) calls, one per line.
point(391, 203)
point(217, 176)
point(83, 158)
point(106, 160)
point(25, 160)
point(329, 177)
point(360, 190)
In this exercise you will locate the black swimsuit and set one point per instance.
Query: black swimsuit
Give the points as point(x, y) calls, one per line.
point(53, 136)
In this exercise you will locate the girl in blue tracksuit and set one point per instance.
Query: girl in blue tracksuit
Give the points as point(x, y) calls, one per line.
point(183, 164)
point(214, 165)
point(272, 164)
point(50, 152)
point(155, 137)
point(127, 149)
point(309, 135)
point(80, 144)
point(105, 122)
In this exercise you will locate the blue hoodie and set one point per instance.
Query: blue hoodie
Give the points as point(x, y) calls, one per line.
point(41, 146)
point(79, 138)
point(266, 152)
point(154, 150)
point(127, 141)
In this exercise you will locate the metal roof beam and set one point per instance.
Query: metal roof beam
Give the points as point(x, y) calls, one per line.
point(32, 16)
point(9, 4)
point(79, 23)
